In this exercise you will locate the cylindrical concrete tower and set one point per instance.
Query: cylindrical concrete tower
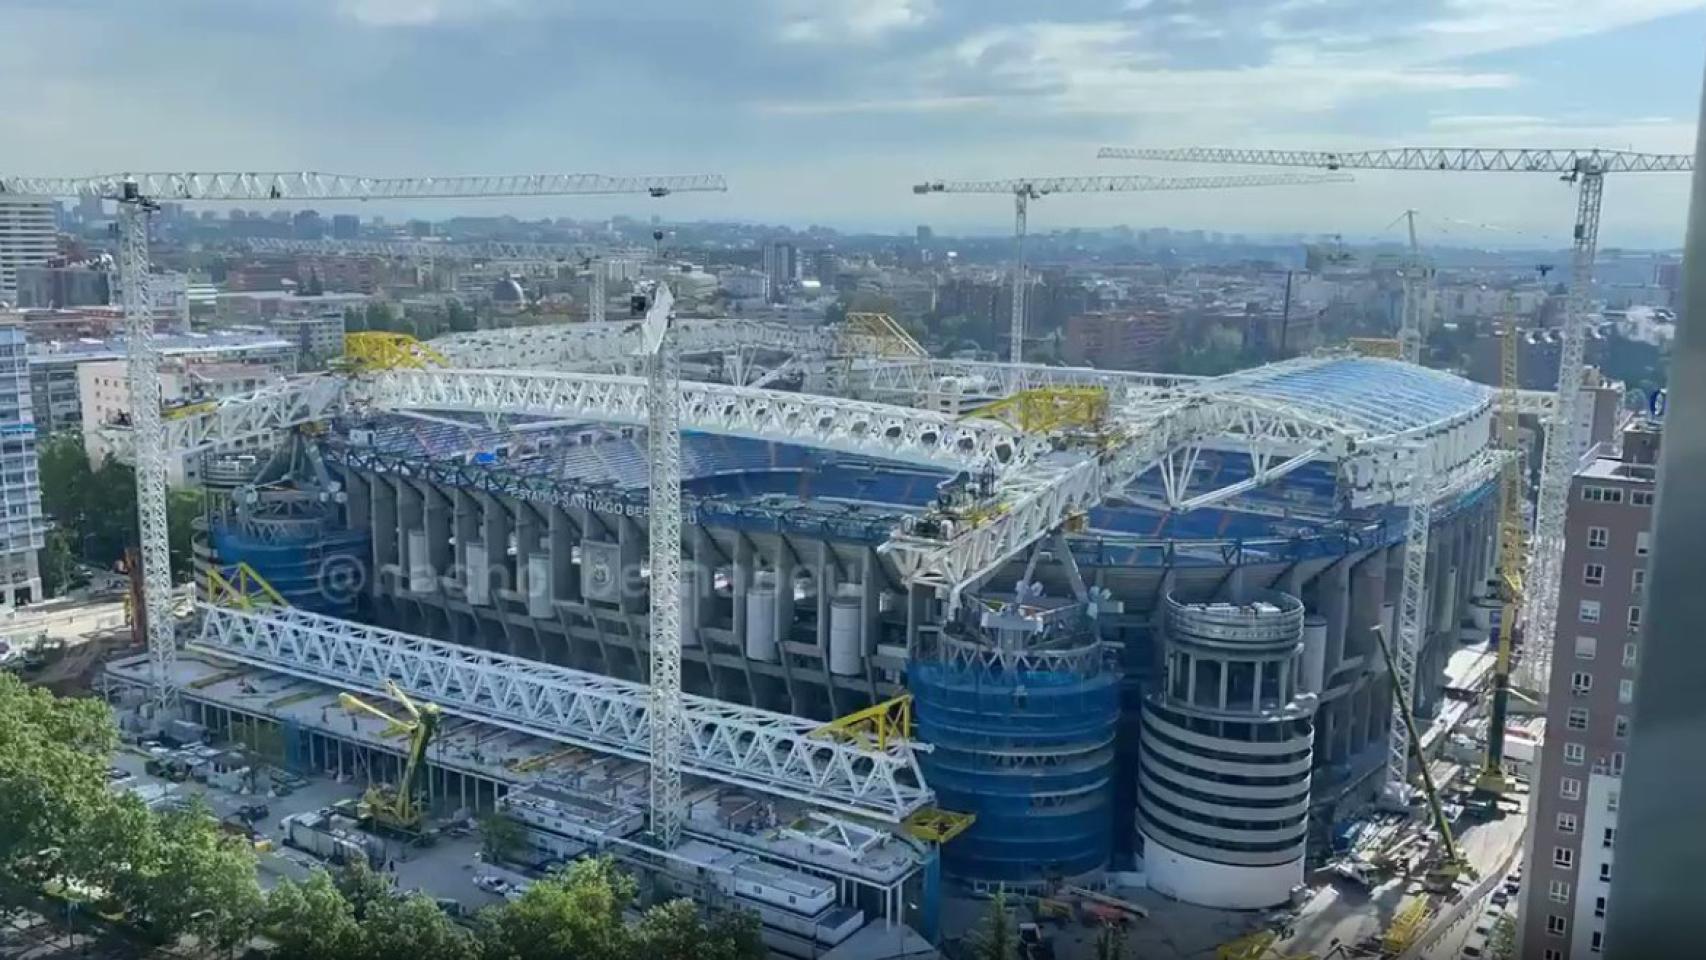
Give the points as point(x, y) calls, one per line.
point(1223, 784)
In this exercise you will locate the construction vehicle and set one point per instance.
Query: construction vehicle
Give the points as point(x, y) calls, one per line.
point(398, 812)
point(1445, 870)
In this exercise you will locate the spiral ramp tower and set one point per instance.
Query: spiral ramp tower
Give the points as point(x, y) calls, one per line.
point(1021, 710)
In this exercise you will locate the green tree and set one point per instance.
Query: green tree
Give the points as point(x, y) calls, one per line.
point(500, 837)
point(460, 319)
point(363, 887)
point(676, 931)
point(378, 318)
point(311, 920)
point(183, 509)
point(1501, 944)
point(576, 912)
point(996, 940)
point(1110, 942)
point(59, 570)
point(414, 928)
point(53, 759)
point(201, 882)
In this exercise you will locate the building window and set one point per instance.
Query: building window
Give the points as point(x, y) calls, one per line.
point(1602, 494)
point(1588, 611)
point(1630, 652)
point(1556, 925)
point(1625, 691)
point(1581, 682)
point(1553, 953)
point(1634, 618)
point(1599, 907)
point(1643, 543)
point(1620, 728)
point(1598, 538)
point(1610, 838)
point(1559, 891)
point(1641, 498)
point(1597, 941)
point(1577, 719)
point(1593, 574)
point(1605, 872)
point(1637, 580)
point(1570, 788)
point(1575, 754)
point(1617, 763)
point(1566, 823)
point(1611, 798)
point(1586, 647)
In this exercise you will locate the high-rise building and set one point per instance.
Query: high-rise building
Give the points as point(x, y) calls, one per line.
point(24, 529)
point(27, 238)
point(345, 226)
point(60, 287)
point(780, 265)
point(1573, 827)
point(924, 235)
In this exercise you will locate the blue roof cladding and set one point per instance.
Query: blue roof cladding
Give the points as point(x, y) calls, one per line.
point(1378, 397)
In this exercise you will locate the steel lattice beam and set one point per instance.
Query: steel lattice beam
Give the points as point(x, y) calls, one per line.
point(1042, 186)
point(1473, 159)
point(244, 186)
point(851, 426)
point(770, 752)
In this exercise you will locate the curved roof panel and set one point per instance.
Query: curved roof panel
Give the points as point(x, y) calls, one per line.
point(1365, 395)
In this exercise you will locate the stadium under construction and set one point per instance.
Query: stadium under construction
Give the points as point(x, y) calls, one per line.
point(1125, 621)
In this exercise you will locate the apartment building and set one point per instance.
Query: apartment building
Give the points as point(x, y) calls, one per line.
point(104, 393)
point(1572, 845)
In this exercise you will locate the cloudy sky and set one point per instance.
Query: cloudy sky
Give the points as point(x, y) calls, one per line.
point(825, 111)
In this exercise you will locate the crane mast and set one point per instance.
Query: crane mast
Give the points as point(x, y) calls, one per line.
point(1027, 189)
point(1544, 576)
point(1417, 299)
point(142, 374)
point(663, 445)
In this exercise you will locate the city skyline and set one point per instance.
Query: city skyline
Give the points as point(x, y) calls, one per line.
point(828, 112)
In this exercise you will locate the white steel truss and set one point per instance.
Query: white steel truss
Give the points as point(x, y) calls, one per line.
point(243, 186)
point(590, 345)
point(1412, 614)
point(851, 426)
point(142, 372)
point(929, 378)
point(1473, 159)
point(771, 752)
point(663, 450)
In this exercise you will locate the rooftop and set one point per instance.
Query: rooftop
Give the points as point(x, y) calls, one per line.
point(1365, 395)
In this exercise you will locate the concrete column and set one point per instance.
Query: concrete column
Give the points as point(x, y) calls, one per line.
point(742, 585)
point(1332, 599)
point(409, 519)
point(783, 564)
point(495, 530)
point(383, 500)
point(466, 513)
point(870, 599)
point(1367, 592)
point(437, 516)
point(563, 536)
point(633, 546)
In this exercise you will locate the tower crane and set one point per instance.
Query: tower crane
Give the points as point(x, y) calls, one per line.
point(1028, 189)
point(137, 194)
point(399, 812)
point(1583, 169)
point(663, 443)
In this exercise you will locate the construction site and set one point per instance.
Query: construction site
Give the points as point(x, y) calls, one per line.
point(803, 621)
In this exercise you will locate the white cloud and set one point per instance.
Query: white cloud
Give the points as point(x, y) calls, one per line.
point(857, 21)
point(422, 13)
